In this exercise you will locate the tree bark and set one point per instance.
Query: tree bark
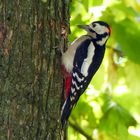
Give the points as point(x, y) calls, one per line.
point(31, 83)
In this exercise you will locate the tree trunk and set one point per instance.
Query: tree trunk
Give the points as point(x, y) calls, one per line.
point(31, 82)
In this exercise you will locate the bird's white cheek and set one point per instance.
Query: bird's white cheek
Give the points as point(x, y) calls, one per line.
point(99, 31)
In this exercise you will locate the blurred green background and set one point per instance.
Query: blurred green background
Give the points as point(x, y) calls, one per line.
point(110, 107)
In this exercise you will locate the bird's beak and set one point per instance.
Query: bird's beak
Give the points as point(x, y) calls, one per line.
point(85, 27)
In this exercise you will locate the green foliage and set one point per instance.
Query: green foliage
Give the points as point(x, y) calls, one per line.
point(122, 119)
point(125, 27)
point(110, 106)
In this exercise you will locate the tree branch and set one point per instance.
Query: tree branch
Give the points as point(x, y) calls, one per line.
point(118, 51)
point(80, 130)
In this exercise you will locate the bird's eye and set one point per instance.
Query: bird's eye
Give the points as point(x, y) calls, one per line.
point(94, 25)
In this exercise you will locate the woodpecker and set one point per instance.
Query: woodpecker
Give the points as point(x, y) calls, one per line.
point(81, 61)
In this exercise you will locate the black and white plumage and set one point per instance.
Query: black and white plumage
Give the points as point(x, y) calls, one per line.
point(82, 60)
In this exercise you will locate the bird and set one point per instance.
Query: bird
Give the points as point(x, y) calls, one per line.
point(81, 61)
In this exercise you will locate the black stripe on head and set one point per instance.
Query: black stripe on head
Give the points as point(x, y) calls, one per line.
point(101, 23)
point(92, 31)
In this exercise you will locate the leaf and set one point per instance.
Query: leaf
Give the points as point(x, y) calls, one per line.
point(132, 73)
point(125, 29)
point(80, 113)
point(86, 4)
point(116, 120)
point(127, 34)
point(95, 2)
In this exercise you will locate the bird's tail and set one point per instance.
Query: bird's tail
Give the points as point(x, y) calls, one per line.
point(66, 111)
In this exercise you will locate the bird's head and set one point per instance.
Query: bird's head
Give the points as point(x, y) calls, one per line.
point(99, 30)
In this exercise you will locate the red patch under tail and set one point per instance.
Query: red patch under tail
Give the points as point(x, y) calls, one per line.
point(68, 79)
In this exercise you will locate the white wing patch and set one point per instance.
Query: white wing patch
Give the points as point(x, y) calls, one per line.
point(72, 89)
point(78, 78)
point(68, 56)
point(88, 60)
point(74, 83)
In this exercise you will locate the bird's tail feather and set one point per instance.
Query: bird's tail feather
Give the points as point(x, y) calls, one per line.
point(66, 111)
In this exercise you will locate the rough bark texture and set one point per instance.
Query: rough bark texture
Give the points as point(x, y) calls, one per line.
point(30, 76)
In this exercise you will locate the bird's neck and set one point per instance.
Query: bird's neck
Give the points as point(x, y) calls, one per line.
point(99, 39)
